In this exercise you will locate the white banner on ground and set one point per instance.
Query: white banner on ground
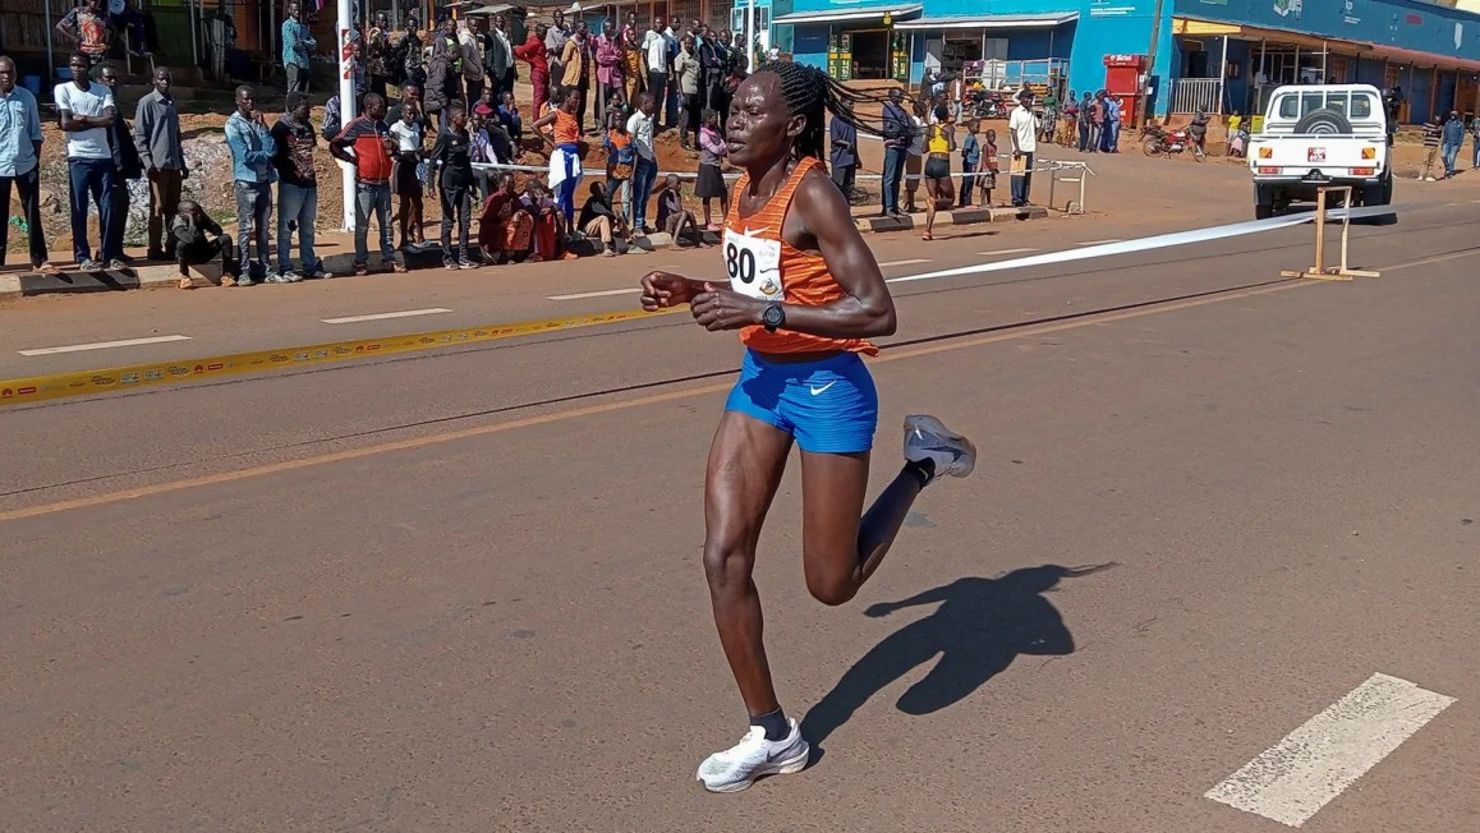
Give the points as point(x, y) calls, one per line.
point(1159, 241)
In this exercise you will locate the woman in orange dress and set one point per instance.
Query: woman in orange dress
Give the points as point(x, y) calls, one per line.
point(806, 295)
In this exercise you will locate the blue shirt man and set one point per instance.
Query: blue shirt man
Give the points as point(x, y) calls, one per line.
point(297, 43)
point(20, 145)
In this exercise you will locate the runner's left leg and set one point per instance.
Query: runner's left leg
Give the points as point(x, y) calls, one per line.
point(839, 550)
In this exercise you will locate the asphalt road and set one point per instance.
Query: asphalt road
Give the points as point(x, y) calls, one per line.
point(460, 590)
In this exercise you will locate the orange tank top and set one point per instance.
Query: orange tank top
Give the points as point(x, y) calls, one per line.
point(567, 129)
point(761, 264)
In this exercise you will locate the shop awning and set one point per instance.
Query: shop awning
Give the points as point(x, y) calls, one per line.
point(1423, 59)
point(993, 21)
point(856, 13)
point(1194, 27)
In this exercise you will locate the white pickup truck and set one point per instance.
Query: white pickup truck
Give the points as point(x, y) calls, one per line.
point(1322, 134)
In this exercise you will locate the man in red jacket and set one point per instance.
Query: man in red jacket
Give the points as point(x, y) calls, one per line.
point(369, 138)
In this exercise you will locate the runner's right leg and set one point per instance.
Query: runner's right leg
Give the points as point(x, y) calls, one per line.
point(745, 465)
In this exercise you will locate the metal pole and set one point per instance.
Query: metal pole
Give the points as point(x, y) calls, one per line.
point(1223, 76)
point(50, 61)
point(1296, 79)
point(347, 104)
point(1325, 51)
point(1141, 96)
point(750, 35)
point(194, 48)
point(274, 28)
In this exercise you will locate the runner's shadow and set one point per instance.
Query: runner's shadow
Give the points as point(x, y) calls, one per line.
point(980, 627)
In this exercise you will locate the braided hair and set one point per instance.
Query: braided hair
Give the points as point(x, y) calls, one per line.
point(812, 93)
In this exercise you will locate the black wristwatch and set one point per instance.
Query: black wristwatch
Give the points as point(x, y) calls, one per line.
point(773, 318)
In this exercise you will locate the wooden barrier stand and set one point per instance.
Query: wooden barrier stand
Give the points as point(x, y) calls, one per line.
point(1337, 273)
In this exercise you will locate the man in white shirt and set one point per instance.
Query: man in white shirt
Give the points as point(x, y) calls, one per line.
point(645, 167)
point(87, 113)
point(1022, 130)
point(655, 55)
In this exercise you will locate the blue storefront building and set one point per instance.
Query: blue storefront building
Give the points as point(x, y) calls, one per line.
point(1224, 56)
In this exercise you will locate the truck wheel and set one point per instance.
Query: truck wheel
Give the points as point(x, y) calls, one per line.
point(1324, 122)
point(1380, 194)
point(1263, 202)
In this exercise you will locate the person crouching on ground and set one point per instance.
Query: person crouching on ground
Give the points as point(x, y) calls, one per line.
point(673, 217)
point(194, 244)
point(600, 221)
point(503, 230)
point(545, 219)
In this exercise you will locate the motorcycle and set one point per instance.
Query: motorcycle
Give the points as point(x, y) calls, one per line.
point(1156, 141)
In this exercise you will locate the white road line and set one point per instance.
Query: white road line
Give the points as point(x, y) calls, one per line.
point(911, 262)
point(1292, 780)
point(1099, 242)
point(380, 316)
point(633, 290)
point(1008, 252)
point(102, 345)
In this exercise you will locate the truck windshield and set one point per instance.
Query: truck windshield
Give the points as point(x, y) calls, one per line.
point(1355, 106)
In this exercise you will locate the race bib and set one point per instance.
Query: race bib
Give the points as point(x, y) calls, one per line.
point(754, 265)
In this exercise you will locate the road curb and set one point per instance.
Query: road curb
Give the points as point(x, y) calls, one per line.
point(26, 284)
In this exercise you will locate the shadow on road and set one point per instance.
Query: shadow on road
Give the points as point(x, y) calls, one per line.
point(980, 627)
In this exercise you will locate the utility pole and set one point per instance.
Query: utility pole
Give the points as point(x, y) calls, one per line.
point(347, 110)
point(1141, 97)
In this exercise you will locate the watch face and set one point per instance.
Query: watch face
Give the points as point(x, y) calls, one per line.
point(773, 316)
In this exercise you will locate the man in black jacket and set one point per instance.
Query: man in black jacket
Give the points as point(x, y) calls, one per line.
point(127, 164)
point(898, 127)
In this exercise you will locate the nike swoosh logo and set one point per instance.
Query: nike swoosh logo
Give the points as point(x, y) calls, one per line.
point(816, 390)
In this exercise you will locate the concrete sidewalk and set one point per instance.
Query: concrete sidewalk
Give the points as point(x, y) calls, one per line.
point(337, 251)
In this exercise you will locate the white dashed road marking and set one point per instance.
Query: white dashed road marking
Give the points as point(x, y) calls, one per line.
point(605, 293)
point(1099, 242)
point(1007, 252)
point(1292, 780)
point(102, 345)
point(379, 316)
point(912, 261)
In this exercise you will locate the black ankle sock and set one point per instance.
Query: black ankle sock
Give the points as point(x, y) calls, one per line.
point(774, 723)
point(922, 469)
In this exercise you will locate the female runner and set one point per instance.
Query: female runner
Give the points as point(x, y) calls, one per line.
point(805, 293)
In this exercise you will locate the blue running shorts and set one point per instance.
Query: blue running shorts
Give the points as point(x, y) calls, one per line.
point(830, 405)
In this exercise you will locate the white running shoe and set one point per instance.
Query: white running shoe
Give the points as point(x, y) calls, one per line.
point(736, 768)
point(927, 438)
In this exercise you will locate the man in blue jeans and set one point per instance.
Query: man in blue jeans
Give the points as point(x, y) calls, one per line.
point(87, 112)
point(645, 171)
point(1453, 136)
point(298, 189)
point(897, 129)
point(252, 151)
point(368, 136)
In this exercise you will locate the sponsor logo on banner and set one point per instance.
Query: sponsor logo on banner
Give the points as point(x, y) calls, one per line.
point(1349, 12)
point(1285, 8)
